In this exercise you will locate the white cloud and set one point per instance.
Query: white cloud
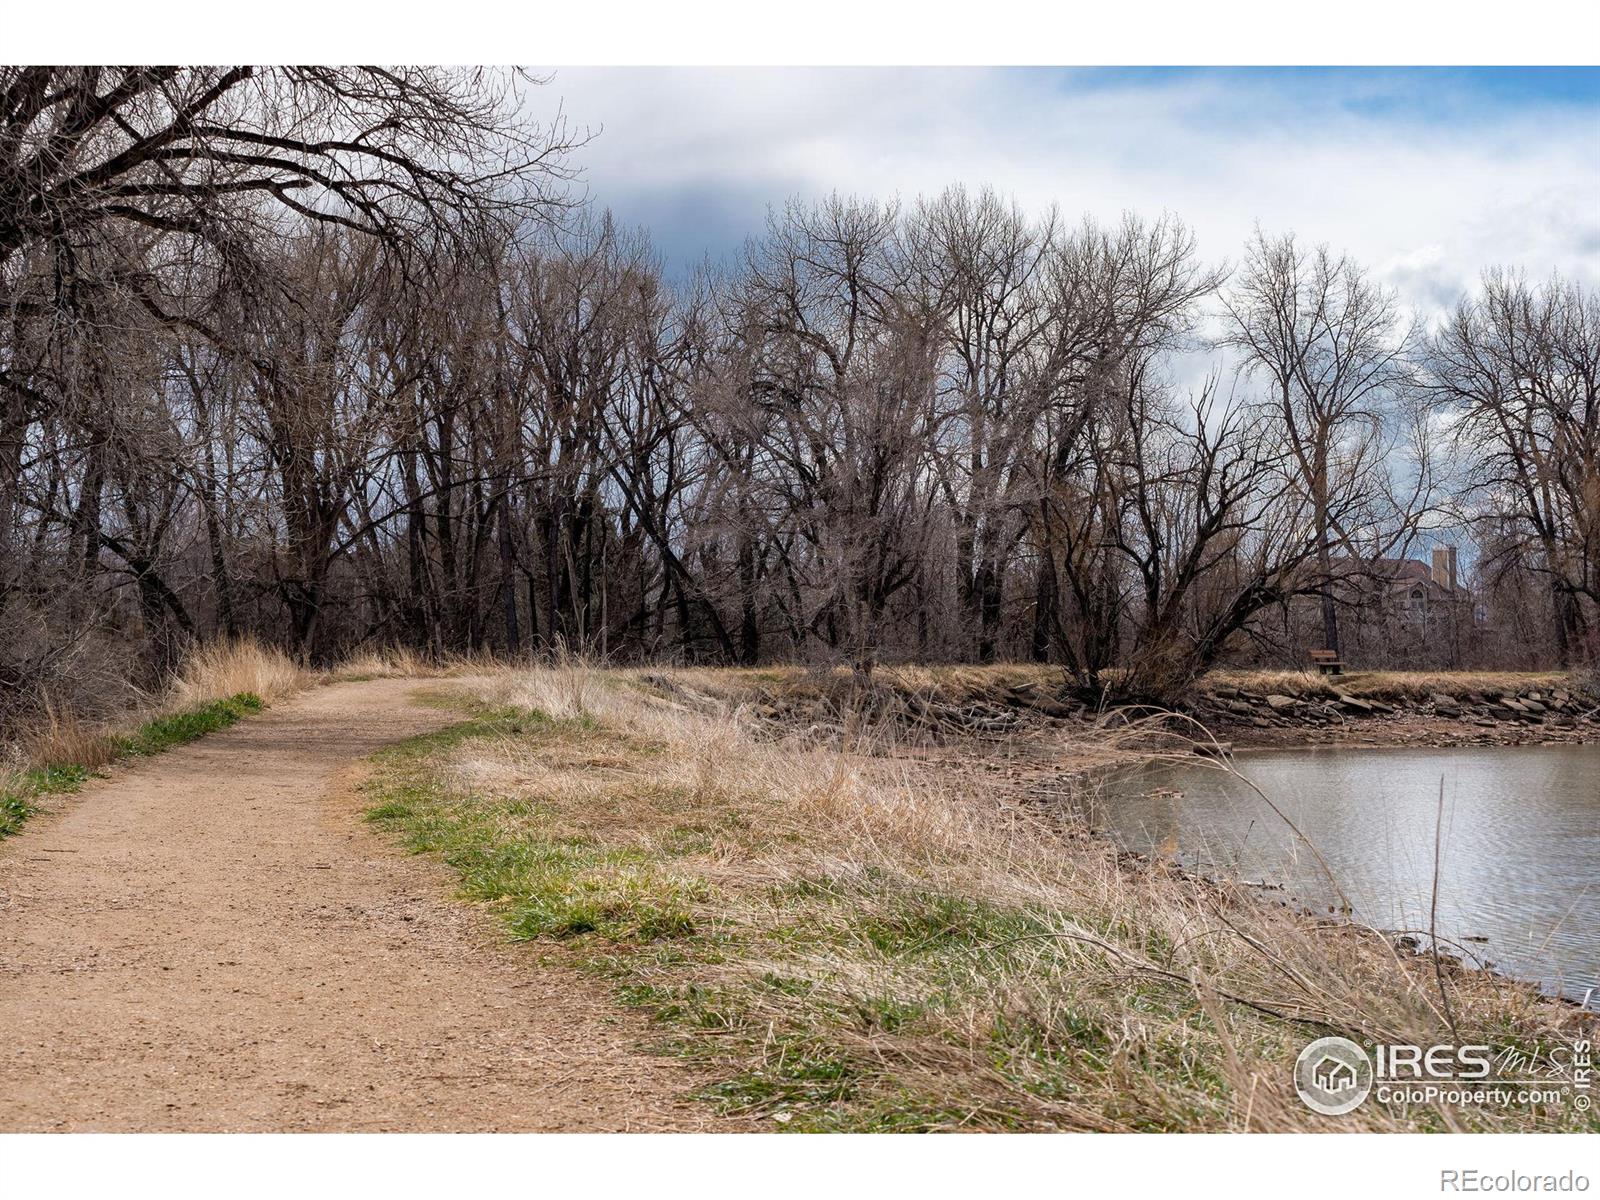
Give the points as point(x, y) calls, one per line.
point(1426, 201)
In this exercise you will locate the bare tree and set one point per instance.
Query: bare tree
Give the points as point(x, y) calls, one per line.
point(1333, 350)
point(984, 262)
point(1517, 371)
point(845, 375)
point(403, 153)
point(1119, 300)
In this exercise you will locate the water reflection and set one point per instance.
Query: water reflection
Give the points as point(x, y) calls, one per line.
point(1519, 877)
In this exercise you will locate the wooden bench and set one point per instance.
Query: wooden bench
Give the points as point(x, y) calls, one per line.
point(1326, 661)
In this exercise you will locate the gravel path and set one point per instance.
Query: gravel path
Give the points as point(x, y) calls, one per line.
point(213, 940)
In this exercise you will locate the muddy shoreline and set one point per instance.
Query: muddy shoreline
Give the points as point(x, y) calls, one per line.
point(1217, 717)
point(1535, 717)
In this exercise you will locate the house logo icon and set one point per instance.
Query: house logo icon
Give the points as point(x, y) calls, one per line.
point(1333, 1076)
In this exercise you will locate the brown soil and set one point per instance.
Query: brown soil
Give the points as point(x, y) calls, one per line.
point(213, 940)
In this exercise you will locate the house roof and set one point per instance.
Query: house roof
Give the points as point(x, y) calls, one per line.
point(1394, 568)
point(1397, 574)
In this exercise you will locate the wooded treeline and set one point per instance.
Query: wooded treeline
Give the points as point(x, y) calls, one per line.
point(333, 358)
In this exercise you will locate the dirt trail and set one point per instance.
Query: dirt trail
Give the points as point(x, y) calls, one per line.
point(214, 941)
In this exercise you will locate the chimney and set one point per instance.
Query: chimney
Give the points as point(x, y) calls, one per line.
point(1444, 567)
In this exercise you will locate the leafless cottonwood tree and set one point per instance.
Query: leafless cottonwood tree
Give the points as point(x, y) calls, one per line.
point(985, 261)
point(1517, 369)
point(95, 160)
point(1334, 353)
point(406, 154)
point(1119, 301)
point(842, 371)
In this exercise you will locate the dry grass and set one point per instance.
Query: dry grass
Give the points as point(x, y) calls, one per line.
point(958, 683)
point(569, 689)
point(947, 683)
point(60, 739)
point(863, 941)
point(402, 662)
point(389, 662)
point(228, 668)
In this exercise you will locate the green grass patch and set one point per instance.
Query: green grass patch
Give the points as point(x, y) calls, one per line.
point(545, 885)
point(175, 729)
point(21, 793)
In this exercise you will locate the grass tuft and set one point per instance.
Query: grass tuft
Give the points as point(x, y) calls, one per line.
point(235, 667)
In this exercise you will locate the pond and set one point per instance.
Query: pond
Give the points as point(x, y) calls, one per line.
point(1519, 872)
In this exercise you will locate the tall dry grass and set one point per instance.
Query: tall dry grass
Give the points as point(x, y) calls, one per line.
point(226, 668)
point(55, 752)
point(386, 662)
point(569, 687)
point(61, 736)
point(404, 662)
point(955, 684)
point(915, 922)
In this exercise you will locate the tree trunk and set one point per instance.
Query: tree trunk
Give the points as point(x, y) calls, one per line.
point(508, 576)
point(1045, 599)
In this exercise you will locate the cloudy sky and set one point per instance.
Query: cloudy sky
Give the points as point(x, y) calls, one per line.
point(1425, 175)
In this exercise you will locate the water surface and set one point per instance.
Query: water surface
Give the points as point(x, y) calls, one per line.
point(1520, 865)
